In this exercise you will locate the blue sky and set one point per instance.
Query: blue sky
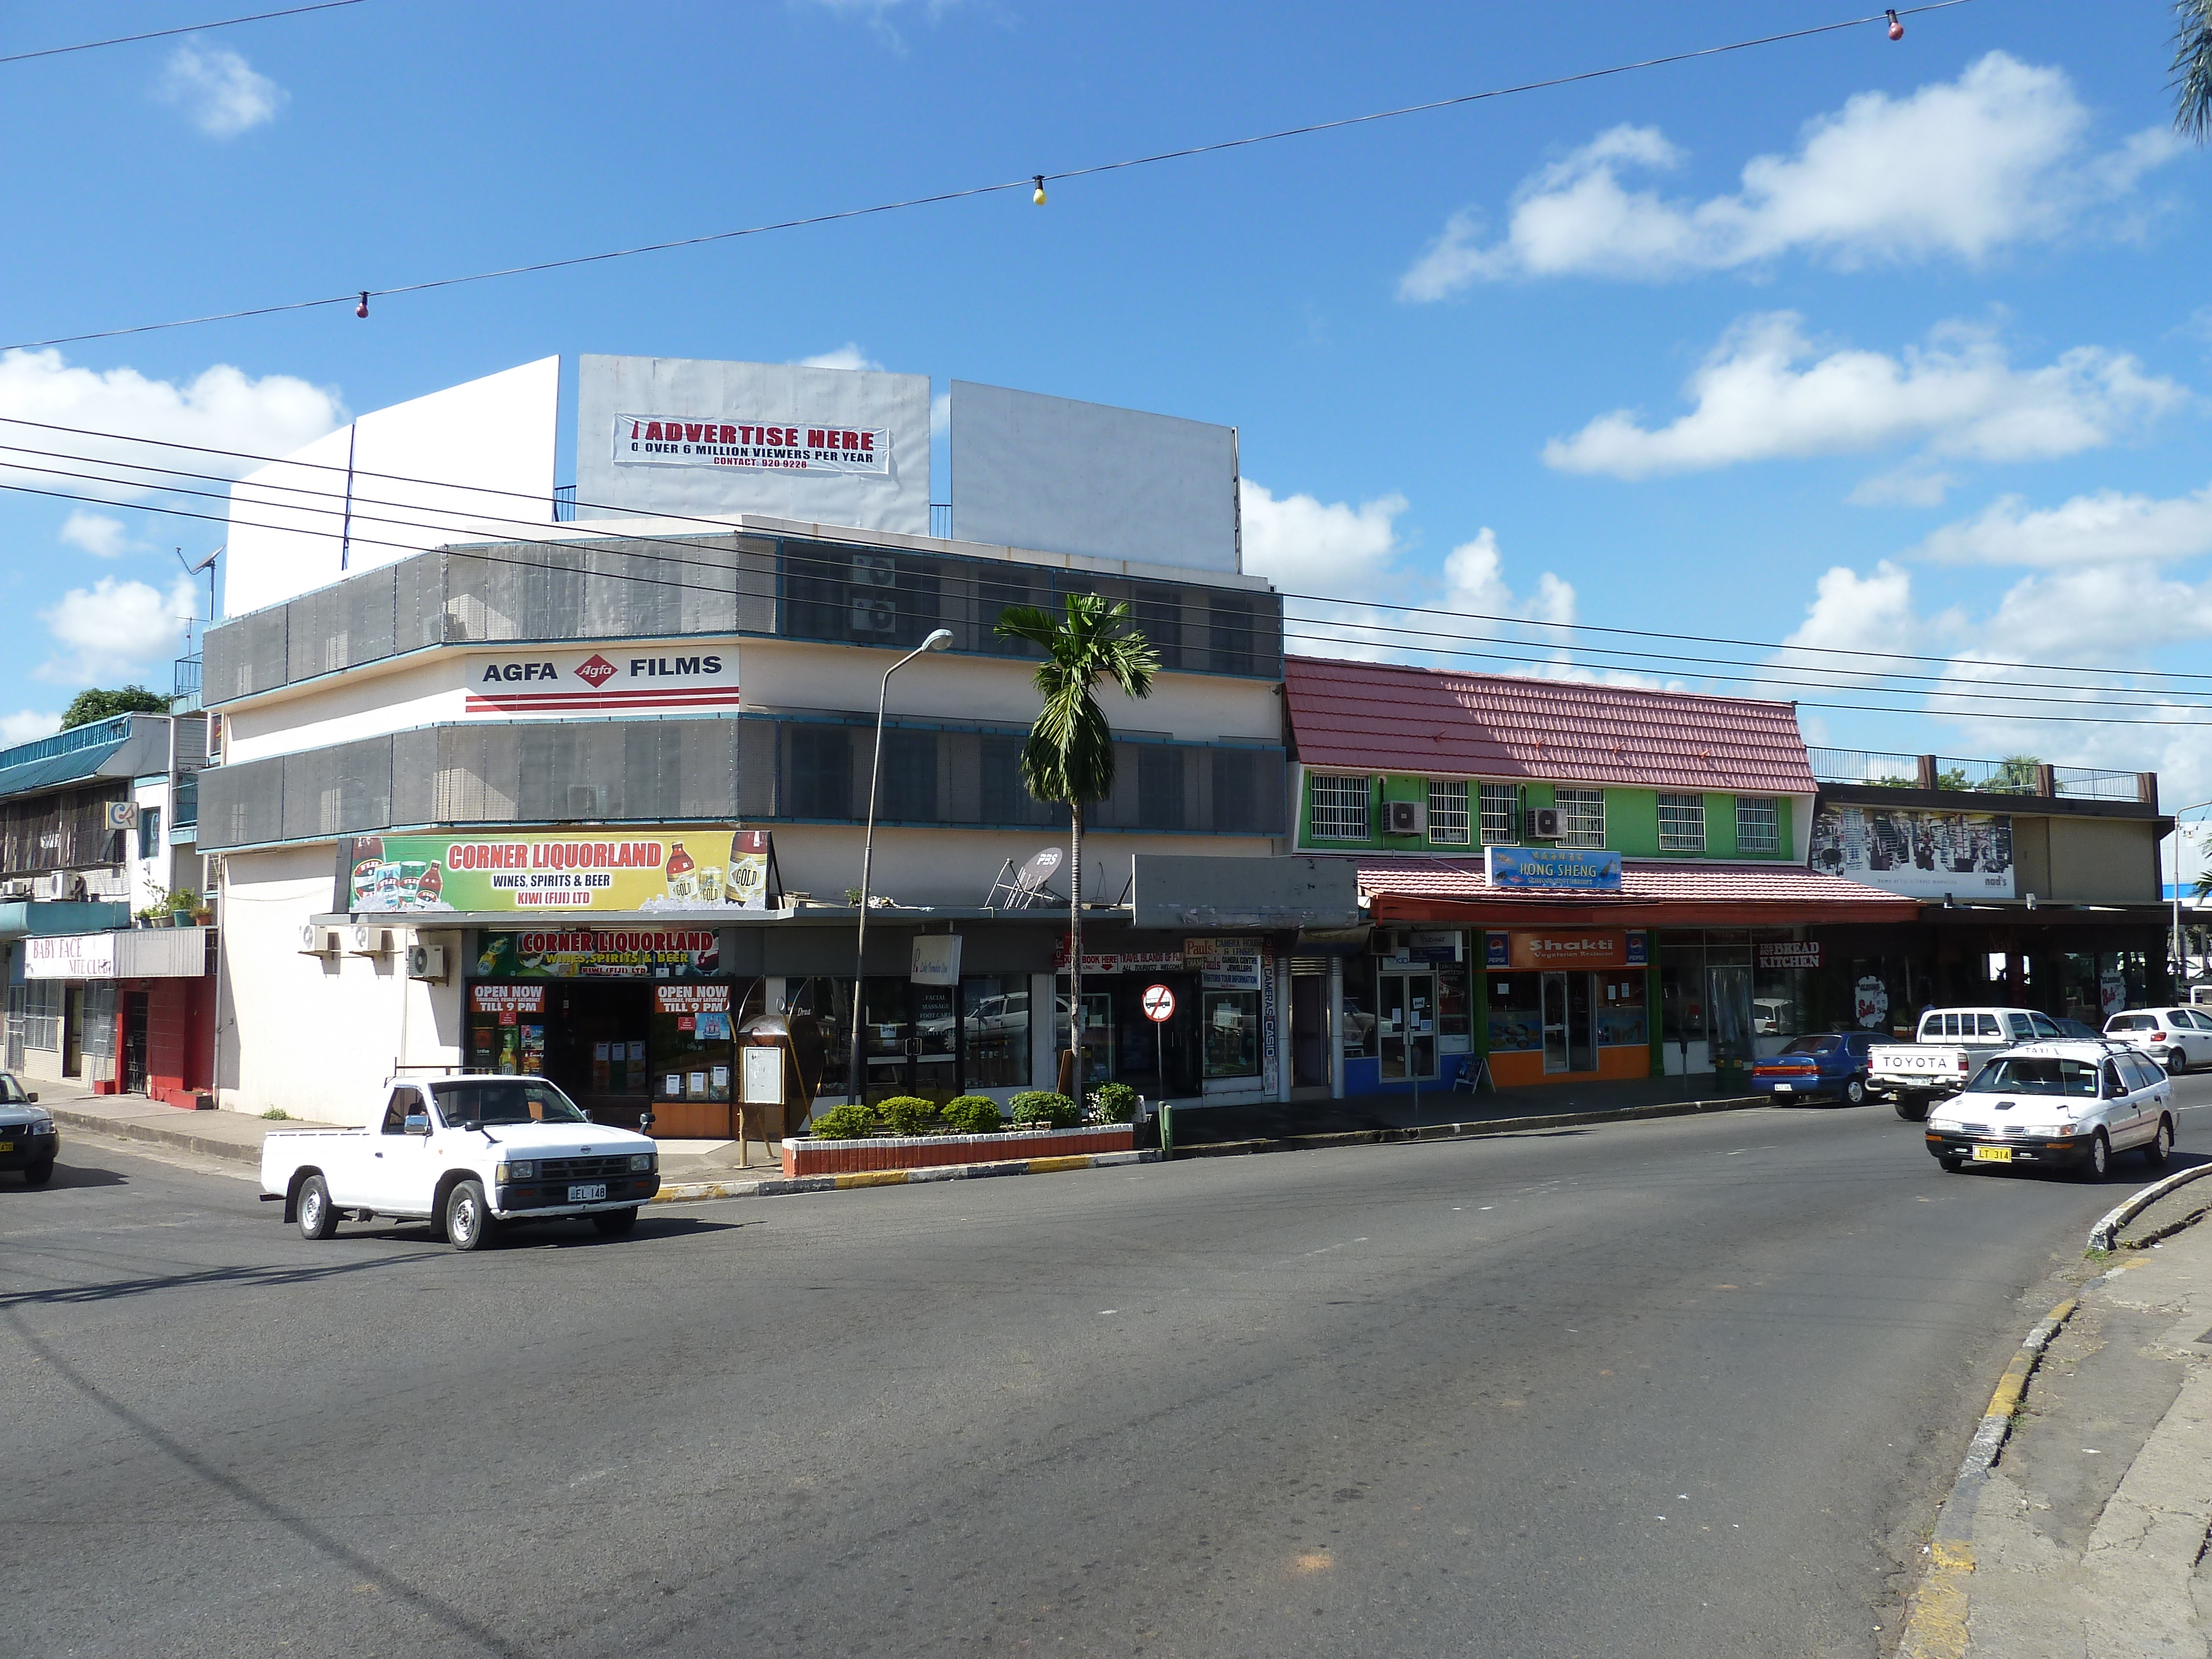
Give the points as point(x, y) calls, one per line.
point(1854, 343)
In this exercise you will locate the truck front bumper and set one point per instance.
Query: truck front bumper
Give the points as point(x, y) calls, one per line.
point(526, 1201)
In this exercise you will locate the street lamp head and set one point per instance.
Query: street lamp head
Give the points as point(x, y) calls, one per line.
point(940, 640)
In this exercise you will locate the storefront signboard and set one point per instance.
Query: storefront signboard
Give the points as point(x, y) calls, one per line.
point(1433, 944)
point(69, 956)
point(1119, 962)
point(1590, 948)
point(1919, 855)
point(600, 953)
point(1498, 950)
point(1231, 963)
point(700, 1010)
point(1639, 950)
point(936, 959)
point(506, 999)
point(683, 869)
point(1554, 868)
point(1789, 953)
point(667, 439)
point(644, 679)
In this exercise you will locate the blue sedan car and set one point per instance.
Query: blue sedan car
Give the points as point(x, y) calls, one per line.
point(1831, 1063)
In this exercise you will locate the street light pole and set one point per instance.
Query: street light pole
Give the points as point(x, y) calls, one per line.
point(2181, 953)
point(855, 1080)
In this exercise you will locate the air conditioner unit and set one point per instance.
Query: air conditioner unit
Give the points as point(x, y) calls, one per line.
point(1387, 942)
point(61, 884)
point(18, 890)
point(1543, 823)
point(122, 814)
point(371, 941)
point(318, 941)
point(426, 961)
point(1406, 817)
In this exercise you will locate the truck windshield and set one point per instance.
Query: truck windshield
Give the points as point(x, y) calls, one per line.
point(503, 1100)
point(2021, 1074)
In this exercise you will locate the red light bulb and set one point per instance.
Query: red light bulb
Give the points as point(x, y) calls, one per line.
point(1896, 28)
point(361, 310)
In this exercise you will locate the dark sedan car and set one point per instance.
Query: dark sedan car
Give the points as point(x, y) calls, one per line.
point(27, 1138)
point(1831, 1063)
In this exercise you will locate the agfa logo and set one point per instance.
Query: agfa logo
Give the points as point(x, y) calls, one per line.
point(597, 672)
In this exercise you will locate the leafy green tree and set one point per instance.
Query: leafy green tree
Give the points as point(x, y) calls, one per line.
point(1068, 757)
point(89, 706)
point(2016, 774)
point(2192, 68)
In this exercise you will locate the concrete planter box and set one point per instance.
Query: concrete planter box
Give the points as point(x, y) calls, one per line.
point(809, 1157)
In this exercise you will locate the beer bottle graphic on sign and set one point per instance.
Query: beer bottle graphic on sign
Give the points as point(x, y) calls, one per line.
point(683, 886)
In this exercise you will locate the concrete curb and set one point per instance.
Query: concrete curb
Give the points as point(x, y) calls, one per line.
point(2102, 1235)
point(204, 1146)
point(707, 1192)
point(1503, 1126)
point(1936, 1628)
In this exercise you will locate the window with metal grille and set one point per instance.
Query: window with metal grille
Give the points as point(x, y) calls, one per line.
point(909, 780)
point(821, 772)
point(1339, 809)
point(1448, 825)
point(1681, 823)
point(1758, 824)
point(1500, 806)
point(1582, 817)
point(1159, 787)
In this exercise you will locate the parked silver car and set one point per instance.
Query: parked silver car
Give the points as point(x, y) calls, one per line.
point(2177, 1038)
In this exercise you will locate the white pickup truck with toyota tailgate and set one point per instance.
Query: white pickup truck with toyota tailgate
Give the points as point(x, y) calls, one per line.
point(468, 1153)
point(1949, 1048)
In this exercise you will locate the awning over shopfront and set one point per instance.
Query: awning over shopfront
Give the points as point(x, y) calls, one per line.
point(1653, 893)
point(137, 953)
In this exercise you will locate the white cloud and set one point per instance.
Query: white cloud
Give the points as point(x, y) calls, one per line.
point(2105, 528)
point(1474, 582)
point(1959, 169)
point(220, 93)
point(26, 725)
point(1305, 545)
point(220, 408)
point(1851, 613)
point(96, 533)
point(1756, 397)
point(847, 355)
point(113, 627)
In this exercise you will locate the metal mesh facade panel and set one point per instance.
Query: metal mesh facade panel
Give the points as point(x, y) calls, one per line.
point(240, 658)
point(242, 805)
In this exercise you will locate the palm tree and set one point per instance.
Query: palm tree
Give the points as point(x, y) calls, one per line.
point(1069, 754)
point(2192, 68)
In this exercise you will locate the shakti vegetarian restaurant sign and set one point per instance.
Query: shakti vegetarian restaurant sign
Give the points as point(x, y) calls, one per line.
point(788, 446)
point(678, 868)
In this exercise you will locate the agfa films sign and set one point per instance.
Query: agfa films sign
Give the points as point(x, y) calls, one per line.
point(790, 446)
point(656, 678)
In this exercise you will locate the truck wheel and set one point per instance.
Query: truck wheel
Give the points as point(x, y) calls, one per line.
point(2162, 1145)
point(613, 1223)
point(1855, 1092)
point(2099, 1164)
point(318, 1217)
point(1912, 1108)
point(468, 1217)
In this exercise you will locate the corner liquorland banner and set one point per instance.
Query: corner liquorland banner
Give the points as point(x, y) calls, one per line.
point(692, 868)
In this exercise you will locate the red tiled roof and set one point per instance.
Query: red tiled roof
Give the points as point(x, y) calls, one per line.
point(1378, 717)
point(1399, 886)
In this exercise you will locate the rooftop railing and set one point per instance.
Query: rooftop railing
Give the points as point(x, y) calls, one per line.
point(2018, 775)
point(1865, 766)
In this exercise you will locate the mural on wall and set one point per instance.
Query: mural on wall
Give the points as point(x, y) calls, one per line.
point(1917, 853)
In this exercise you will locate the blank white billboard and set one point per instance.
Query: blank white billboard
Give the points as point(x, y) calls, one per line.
point(471, 463)
point(1063, 476)
point(685, 436)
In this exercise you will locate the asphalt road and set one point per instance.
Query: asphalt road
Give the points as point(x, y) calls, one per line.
point(1687, 1387)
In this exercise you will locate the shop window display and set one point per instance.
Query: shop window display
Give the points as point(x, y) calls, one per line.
point(1231, 1022)
point(1619, 1006)
point(1453, 1008)
point(995, 1032)
point(1516, 1013)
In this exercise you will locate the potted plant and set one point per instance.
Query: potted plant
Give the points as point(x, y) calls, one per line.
point(144, 918)
point(182, 904)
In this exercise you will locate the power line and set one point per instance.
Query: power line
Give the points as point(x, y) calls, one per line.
point(188, 28)
point(362, 295)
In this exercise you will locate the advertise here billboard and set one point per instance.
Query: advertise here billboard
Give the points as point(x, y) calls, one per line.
point(1918, 854)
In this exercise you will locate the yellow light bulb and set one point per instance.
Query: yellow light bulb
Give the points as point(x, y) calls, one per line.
point(1038, 196)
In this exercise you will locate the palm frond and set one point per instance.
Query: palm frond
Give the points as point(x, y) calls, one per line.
point(2192, 68)
point(1069, 754)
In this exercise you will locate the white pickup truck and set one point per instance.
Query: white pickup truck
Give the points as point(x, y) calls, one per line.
point(468, 1153)
point(1949, 1046)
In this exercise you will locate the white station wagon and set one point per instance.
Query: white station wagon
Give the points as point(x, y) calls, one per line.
point(2067, 1104)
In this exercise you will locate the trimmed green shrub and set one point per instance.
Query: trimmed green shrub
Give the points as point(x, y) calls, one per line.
point(851, 1121)
point(909, 1115)
point(1113, 1103)
point(972, 1114)
point(1042, 1106)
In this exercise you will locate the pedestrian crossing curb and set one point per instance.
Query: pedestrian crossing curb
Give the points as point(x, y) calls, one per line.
point(709, 1192)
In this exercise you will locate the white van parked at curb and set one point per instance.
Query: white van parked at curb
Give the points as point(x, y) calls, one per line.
point(468, 1153)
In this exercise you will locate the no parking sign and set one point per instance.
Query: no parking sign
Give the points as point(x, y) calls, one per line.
point(1158, 1004)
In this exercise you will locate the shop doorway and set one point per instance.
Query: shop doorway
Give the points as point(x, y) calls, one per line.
point(1729, 1001)
point(910, 1041)
point(134, 1043)
point(1407, 1025)
point(73, 1031)
point(1570, 1022)
point(1158, 1061)
point(597, 1039)
point(1308, 1028)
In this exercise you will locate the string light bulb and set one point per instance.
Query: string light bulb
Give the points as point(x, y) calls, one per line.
point(1896, 28)
point(361, 310)
point(1037, 196)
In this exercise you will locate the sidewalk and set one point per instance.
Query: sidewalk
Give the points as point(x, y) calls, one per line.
point(232, 1136)
point(2084, 1539)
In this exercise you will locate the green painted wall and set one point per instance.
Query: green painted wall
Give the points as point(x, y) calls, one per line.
point(1631, 821)
point(1720, 826)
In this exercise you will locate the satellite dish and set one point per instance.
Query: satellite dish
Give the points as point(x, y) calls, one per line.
point(1041, 868)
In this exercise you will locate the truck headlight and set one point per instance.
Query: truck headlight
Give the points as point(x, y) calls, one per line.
point(641, 1162)
point(522, 1170)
